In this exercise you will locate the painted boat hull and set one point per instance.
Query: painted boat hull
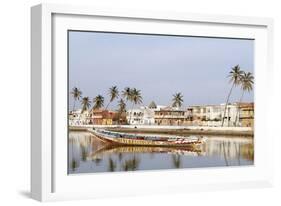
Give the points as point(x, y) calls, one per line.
point(144, 142)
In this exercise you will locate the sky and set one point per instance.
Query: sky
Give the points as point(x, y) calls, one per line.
point(157, 65)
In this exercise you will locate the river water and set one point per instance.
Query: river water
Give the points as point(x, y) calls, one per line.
point(88, 154)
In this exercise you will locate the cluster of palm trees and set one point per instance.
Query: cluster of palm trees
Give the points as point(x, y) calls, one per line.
point(242, 79)
point(132, 95)
point(238, 78)
point(128, 95)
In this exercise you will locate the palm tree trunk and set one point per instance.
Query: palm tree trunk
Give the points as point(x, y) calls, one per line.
point(107, 105)
point(238, 109)
point(227, 100)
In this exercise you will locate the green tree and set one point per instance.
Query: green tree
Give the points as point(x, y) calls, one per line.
point(86, 104)
point(76, 94)
point(235, 77)
point(177, 100)
point(121, 108)
point(113, 94)
point(126, 93)
point(98, 102)
point(247, 81)
point(136, 98)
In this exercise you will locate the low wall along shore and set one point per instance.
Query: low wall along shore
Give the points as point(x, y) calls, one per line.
point(177, 130)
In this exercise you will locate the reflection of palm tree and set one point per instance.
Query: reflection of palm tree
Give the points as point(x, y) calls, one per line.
point(84, 153)
point(237, 152)
point(120, 156)
point(113, 93)
point(131, 164)
point(235, 76)
point(247, 81)
point(74, 163)
point(224, 154)
point(76, 94)
point(98, 102)
point(111, 165)
point(176, 160)
point(97, 161)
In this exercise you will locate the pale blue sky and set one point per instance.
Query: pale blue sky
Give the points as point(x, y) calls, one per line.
point(157, 65)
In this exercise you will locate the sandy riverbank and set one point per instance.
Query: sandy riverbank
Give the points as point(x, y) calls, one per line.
point(212, 131)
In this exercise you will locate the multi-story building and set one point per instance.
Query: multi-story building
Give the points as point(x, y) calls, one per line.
point(141, 116)
point(78, 117)
point(170, 116)
point(74, 118)
point(246, 114)
point(104, 117)
point(211, 115)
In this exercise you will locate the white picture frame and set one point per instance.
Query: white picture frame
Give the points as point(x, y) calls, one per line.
point(49, 179)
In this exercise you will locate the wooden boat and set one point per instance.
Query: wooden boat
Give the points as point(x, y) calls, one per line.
point(144, 139)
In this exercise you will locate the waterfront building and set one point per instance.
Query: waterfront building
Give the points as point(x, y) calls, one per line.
point(104, 117)
point(246, 114)
point(211, 115)
point(78, 117)
point(170, 116)
point(74, 118)
point(141, 116)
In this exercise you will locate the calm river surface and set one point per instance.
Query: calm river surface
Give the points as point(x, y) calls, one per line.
point(87, 154)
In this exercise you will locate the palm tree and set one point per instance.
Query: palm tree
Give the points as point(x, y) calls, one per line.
point(247, 81)
point(235, 77)
point(113, 93)
point(86, 103)
point(121, 108)
point(76, 94)
point(135, 97)
point(177, 100)
point(98, 102)
point(121, 105)
point(126, 93)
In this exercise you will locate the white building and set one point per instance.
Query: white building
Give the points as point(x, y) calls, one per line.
point(140, 116)
point(211, 115)
point(77, 118)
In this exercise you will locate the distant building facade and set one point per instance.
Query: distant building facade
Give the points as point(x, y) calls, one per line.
point(211, 115)
point(104, 117)
point(170, 116)
point(246, 114)
point(140, 116)
point(78, 117)
point(236, 114)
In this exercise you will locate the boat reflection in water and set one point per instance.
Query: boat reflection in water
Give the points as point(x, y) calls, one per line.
point(88, 154)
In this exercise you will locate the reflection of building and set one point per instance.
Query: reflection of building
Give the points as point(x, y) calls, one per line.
point(170, 116)
point(141, 116)
point(104, 117)
point(246, 114)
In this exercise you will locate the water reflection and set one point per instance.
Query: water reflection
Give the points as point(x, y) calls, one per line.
point(88, 154)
